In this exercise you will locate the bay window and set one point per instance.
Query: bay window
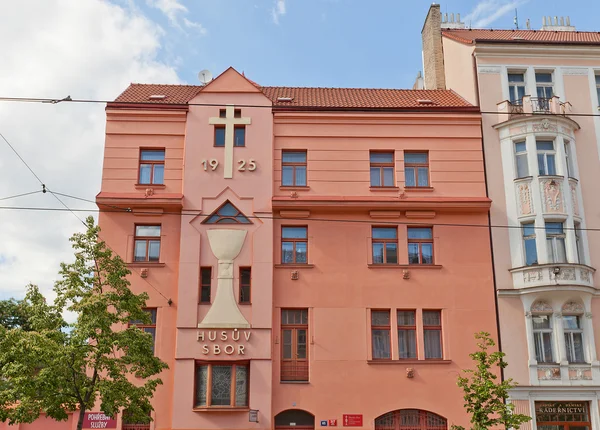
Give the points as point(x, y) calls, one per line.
point(542, 336)
point(529, 244)
point(521, 160)
point(555, 242)
point(573, 338)
point(546, 156)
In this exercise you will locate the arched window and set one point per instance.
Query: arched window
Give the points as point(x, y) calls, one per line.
point(227, 214)
point(296, 419)
point(573, 327)
point(410, 419)
point(541, 319)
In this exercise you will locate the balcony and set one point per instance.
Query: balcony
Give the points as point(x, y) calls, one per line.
point(553, 275)
point(534, 106)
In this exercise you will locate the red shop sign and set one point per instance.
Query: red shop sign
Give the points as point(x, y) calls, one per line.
point(97, 420)
point(353, 420)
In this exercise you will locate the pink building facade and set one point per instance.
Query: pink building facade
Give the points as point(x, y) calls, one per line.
point(300, 250)
point(539, 91)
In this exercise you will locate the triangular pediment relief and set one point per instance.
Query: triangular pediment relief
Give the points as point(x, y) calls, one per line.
point(231, 81)
point(227, 213)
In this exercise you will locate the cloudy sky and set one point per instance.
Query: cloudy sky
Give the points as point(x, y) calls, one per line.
point(92, 49)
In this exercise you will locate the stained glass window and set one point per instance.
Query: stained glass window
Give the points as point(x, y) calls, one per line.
point(228, 385)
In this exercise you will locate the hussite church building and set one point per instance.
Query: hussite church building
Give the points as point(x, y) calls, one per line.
point(315, 257)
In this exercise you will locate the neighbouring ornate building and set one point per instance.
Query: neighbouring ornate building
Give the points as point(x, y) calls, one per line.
point(539, 93)
point(304, 250)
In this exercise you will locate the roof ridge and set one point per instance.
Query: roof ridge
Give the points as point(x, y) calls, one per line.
point(461, 30)
point(350, 88)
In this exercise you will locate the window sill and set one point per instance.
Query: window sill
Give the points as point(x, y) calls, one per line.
point(293, 188)
point(384, 188)
point(401, 362)
point(404, 266)
point(145, 264)
point(294, 266)
point(551, 176)
point(524, 178)
point(221, 409)
point(414, 189)
point(143, 186)
point(294, 382)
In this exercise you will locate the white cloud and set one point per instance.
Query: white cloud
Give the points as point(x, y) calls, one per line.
point(488, 11)
point(174, 11)
point(89, 50)
point(278, 10)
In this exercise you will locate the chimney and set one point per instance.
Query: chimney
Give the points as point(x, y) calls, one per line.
point(433, 56)
point(558, 24)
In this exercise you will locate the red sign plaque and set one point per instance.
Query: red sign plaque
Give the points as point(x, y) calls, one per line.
point(97, 420)
point(332, 423)
point(353, 420)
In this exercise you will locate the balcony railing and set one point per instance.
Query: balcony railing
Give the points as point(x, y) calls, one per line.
point(553, 274)
point(534, 105)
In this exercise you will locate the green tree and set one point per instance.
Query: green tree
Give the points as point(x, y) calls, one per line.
point(485, 397)
point(13, 314)
point(56, 367)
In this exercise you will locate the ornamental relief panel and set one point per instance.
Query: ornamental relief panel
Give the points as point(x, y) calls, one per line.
point(541, 306)
point(579, 374)
point(525, 205)
point(552, 196)
point(544, 125)
point(572, 308)
point(585, 275)
point(574, 199)
point(532, 276)
point(565, 274)
point(548, 373)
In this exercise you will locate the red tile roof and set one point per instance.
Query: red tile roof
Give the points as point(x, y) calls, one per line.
point(310, 98)
point(523, 36)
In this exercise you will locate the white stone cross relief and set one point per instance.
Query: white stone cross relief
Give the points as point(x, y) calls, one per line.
point(224, 312)
point(229, 122)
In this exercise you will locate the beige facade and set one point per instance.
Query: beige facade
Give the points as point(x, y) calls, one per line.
point(539, 94)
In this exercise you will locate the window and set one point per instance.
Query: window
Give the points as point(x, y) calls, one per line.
point(529, 244)
point(420, 245)
point(573, 338)
point(516, 88)
point(382, 169)
point(407, 334)
point(598, 87)
point(416, 169)
point(152, 166)
point(227, 214)
point(544, 89)
point(570, 160)
point(521, 159)
point(579, 244)
point(221, 385)
point(294, 345)
point(542, 336)
point(128, 423)
point(293, 169)
point(205, 284)
point(239, 135)
point(432, 334)
point(555, 242)
point(546, 157)
point(294, 245)
point(380, 335)
point(148, 328)
point(385, 245)
point(411, 419)
point(147, 243)
point(237, 113)
point(245, 276)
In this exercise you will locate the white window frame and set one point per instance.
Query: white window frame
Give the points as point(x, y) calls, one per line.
point(521, 154)
point(597, 82)
point(512, 86)
point(579, 242)
point(569, 159)
point(570, 332)
point(524, 238)
point(552, 241)
point(544, 84)
point(544, 153)
point(539, 333)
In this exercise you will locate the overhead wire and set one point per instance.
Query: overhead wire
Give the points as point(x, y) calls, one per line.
point(21, 195)
point(429, 109)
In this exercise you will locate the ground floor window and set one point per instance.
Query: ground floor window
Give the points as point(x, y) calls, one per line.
point(221, 384)
point(562, 416)
point(411, 419)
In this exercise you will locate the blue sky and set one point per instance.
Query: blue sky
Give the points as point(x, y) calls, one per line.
point(329, 42)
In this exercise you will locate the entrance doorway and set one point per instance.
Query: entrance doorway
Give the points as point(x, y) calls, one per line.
point(295, 419)
point(411, 419)
point(562, 416)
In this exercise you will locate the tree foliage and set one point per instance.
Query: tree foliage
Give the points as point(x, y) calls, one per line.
point(56, 367)
point(485, 397)
point(13, 314)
